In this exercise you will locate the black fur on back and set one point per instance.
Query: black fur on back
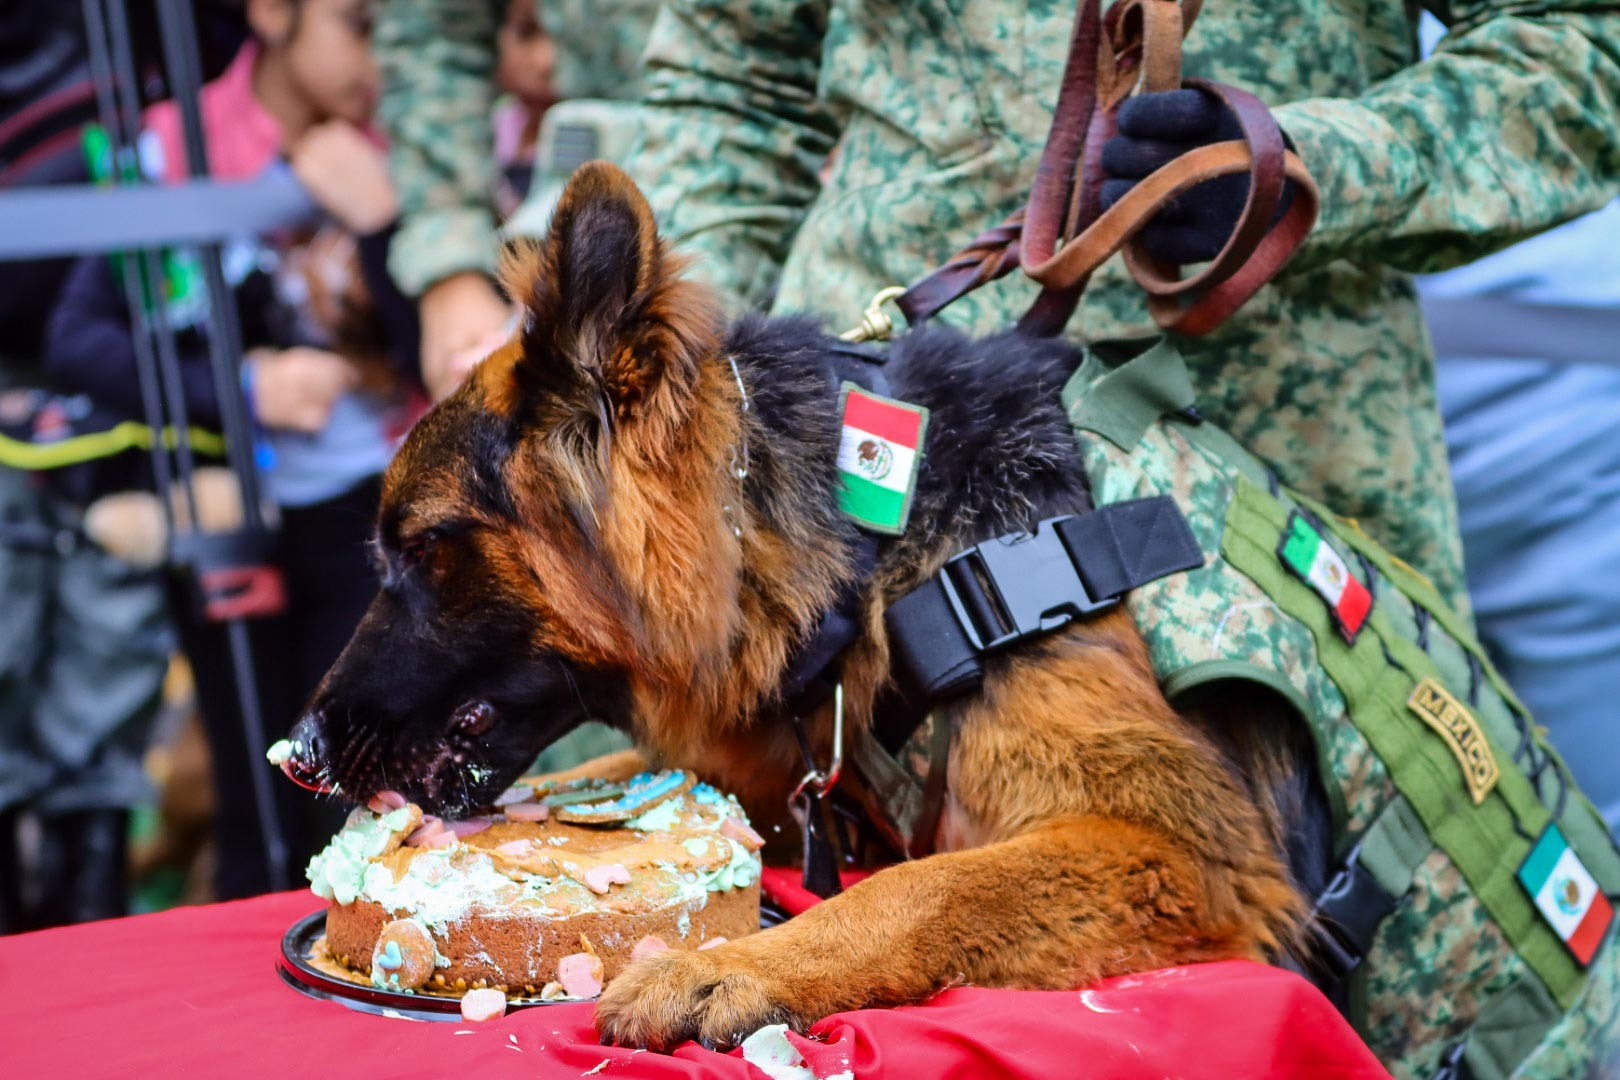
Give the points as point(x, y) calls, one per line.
point(999, 453)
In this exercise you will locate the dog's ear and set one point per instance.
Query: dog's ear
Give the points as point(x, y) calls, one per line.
point(610, 327)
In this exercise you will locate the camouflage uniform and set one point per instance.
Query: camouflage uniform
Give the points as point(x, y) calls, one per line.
point(438, 63)
point(1463, 958)
point(938, 112)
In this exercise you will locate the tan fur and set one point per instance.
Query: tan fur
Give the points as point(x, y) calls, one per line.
point(1090, 829)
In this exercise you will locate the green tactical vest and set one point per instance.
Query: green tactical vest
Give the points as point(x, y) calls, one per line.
point(1427, 757)
point(1442, 811)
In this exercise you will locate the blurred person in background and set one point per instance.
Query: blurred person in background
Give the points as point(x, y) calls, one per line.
point(1510, 127)
point(576, 63)
point(440, 60)
point(328, 375)
point(1528, 347)
point(86, 641)
point(1527, 363)
point(525, 65)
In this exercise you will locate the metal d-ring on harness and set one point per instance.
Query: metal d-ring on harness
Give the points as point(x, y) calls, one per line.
point(808, 807)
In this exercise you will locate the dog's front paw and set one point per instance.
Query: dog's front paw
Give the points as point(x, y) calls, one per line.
point(713, 996)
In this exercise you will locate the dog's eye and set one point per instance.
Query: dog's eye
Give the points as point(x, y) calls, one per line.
point(416, 549)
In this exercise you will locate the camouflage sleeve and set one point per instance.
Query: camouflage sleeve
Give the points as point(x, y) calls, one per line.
point(438, 65)
point(599, 45)
point(1511, 127)
point(733, 135)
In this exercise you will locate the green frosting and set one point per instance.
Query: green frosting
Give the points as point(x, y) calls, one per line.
point(739, 872)
point(338, 873)
point(661, 818)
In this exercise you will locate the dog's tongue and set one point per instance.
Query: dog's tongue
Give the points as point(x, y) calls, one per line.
point(384, 801)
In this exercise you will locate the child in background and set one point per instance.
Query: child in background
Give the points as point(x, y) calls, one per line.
point(523, 71)
point(331, 350)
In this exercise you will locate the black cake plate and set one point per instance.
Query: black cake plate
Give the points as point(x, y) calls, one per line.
point(298, 972)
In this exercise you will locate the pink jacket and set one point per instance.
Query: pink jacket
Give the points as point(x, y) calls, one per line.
point(242, 137)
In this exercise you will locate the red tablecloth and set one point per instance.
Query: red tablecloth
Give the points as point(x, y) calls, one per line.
point(194, 992)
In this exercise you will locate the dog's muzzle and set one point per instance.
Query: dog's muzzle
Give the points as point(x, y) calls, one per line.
point(307, 767)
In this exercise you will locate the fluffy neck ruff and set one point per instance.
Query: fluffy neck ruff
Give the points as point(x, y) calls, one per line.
point(999, 455)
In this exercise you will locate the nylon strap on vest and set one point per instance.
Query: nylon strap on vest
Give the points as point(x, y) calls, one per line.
point(1487, 842)
point(1063, 234)
point(1012, 588)
point(1370, 881)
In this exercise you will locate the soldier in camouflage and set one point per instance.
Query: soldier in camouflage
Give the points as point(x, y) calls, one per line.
point(438, 64)
point(938, 113)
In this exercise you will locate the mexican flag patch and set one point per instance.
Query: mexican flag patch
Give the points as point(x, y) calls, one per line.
point(879, 452)
point(1566, 895)
point(1306, 553)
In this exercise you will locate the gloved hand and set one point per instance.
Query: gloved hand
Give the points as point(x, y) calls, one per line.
point(1154, 130)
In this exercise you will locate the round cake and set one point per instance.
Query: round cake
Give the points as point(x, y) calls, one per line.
point(549, 895)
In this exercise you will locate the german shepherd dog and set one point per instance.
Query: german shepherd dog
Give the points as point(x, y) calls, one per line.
point(570, 535)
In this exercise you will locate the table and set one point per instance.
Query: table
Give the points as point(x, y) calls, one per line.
point(194, 992)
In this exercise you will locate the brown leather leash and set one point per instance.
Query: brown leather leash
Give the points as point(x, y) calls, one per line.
point(1063, 235)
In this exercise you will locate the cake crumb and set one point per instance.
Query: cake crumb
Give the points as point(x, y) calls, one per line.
point(581, 974)
point(395, 1014)
point(769, 1051)
point(650, 945)
point(480, 1005)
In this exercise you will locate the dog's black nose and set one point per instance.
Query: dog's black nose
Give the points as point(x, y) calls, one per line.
point(308, 764)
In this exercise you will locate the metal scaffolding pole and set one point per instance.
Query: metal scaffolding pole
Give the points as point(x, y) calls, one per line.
point(157, 359)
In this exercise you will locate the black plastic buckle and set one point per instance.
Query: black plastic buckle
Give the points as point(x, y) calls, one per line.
point(1452, 1065)
point(1347, 914)
point(1017, 586)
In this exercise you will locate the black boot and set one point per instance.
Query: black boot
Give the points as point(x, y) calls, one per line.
point(100, 887)
point(52, 879)
point(11, 875)
point(82, 867)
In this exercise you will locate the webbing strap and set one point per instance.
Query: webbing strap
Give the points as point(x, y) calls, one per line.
point(1015, 587)
point(1371, 880)
point(1581, 823)
point(1394, 846)
point(1509, 1029)
point(1121, 403)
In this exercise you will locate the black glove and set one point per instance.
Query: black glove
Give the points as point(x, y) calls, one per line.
point(1154, 130)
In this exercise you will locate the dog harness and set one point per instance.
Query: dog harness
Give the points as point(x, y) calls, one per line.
point(1469, 917)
